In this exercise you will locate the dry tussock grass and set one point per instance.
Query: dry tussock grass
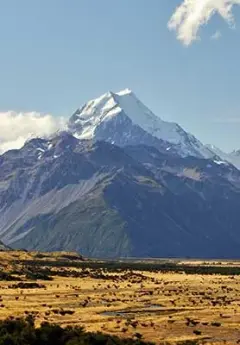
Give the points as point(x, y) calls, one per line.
point(162, 307)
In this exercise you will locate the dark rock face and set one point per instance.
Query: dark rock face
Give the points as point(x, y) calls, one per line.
point(107, 201)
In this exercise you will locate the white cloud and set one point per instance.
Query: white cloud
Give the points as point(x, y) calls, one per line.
point(216, 36)
point(16, 128)
point(192, 14)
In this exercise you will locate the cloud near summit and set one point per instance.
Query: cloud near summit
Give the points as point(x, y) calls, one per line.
point(16, 128)
point(192, 14)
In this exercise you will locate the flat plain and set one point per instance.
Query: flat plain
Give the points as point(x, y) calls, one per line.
point(165, 302)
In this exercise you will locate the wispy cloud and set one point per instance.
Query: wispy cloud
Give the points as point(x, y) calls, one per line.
point(192, 14)
point(216, 36)
point(16, 128)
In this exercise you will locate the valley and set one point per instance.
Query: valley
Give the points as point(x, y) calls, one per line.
point(162, 301)
point(120, 172)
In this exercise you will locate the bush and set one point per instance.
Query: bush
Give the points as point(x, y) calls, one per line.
point(197, 332)
point(23, 332)
point(23, 285)
point(37, 276)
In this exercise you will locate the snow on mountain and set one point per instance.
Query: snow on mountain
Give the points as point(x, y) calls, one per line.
point(124, 113)
point(216, 151)
point(232, 157)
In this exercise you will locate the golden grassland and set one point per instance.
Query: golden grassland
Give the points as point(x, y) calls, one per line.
point(162, 307)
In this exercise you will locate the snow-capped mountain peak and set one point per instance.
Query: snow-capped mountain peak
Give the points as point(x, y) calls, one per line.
point(124, 92)
point(123, 112)
point(233, 157)
point(112, 104)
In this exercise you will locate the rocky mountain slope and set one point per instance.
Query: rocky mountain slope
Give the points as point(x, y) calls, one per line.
point(232, 157)
point(107, 201)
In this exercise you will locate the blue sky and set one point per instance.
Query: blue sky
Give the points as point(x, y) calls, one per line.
point(57, 54)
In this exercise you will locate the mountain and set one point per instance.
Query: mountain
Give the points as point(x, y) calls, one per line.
point(194, 168)
point(122, 119)
point(120, 182)
point(232, 157)
point(106, 201)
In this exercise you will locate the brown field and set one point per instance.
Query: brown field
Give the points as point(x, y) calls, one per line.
point(162, 307)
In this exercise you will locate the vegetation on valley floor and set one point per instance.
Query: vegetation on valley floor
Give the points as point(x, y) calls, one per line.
point(23, 332)
point(144, 266)
point(142, 301)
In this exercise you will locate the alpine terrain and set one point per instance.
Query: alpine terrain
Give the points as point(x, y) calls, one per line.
point(232, 157)
point(120, 182)
point(122, 119)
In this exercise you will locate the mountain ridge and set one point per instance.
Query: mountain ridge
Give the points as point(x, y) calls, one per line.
point(113, 187)
point(232, 157)
point(106, 201)
point(125, 111)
